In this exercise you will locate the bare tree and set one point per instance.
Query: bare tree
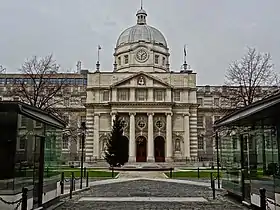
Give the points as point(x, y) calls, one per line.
point(38, 88)
point(249, 79)
point(2, 69)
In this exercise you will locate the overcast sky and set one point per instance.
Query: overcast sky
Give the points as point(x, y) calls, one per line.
point(216, 32)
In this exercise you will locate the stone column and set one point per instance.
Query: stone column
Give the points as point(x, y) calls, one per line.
point(150, 157)
point(96, 136)
point(187, 153)
point(169, 149)
point(132, 145)
point(113, 117)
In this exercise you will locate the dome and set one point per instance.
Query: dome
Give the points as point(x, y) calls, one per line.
point(141, 32)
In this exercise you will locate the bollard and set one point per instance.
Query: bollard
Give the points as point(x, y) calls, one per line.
point(198, 175)
point(24, 198)
point(87, 179)
point(262, 199)
point(62, 183)
point(213, 185)
point(112, 172)
point(71, 184)
point(85, 171)
point(170, 173)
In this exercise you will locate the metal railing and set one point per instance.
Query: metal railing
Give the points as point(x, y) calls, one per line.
point(72, 181)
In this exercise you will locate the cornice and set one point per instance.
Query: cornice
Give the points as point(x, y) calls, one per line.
point(143, 103)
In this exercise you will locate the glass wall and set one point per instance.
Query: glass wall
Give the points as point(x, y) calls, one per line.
point(22, 140)
point(251, 160)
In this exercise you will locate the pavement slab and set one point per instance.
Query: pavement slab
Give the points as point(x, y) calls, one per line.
point(148, 194)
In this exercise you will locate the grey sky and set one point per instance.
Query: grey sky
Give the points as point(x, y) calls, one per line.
point(216, 32)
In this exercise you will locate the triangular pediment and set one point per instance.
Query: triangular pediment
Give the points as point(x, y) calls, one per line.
point(142, 79)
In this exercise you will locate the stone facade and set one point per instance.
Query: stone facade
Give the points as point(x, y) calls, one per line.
point(158, 106)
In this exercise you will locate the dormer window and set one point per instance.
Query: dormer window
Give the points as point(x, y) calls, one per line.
point(119, 60)
point(156, 59)
point(126, 59)
point(163, 61)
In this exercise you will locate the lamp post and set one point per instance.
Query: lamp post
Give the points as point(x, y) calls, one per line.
point(83, 128)
point(218, 159)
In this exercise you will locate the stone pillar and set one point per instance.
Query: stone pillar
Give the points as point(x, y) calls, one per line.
point(113, 117)
point(150, 157)
point(96, 136)
point(132, 145)
point(169, 149)
point(187, 153)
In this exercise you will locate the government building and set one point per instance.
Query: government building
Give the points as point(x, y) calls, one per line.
point(158, 106)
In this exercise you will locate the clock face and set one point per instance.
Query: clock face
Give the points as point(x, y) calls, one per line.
point(142, 55)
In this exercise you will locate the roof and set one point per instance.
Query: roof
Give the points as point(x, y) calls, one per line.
point(32, 112)
point(266, 110)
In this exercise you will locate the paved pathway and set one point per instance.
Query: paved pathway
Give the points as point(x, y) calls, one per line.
point(141, 174)
point(144, 194)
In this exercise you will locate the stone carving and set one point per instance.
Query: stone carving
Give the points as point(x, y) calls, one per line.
point(141, 81)
point(177, 145)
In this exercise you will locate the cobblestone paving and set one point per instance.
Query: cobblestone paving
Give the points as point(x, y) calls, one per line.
point(145, 188)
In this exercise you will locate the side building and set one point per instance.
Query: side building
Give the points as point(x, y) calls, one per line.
point(70, 101)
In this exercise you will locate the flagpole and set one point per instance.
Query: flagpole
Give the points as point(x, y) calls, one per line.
point(185, 54)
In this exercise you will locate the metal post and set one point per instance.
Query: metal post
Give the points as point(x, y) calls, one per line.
point(218, 159)
point(85, 171)
point(170, 173)
point(82, 160)
point(62, 183)
point(263, 199)
point(83, 127)
point(41, 170)
point(112, 172)
point(71, 184)
point(213, 185)
point(198, 175)
point(24, 199)
point(87, 179)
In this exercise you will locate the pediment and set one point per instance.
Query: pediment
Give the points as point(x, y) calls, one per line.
point(141, 79)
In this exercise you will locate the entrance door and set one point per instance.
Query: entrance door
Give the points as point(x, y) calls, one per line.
point(38, 171)
point(141, 149)
point(125, 145)
point(159, 149)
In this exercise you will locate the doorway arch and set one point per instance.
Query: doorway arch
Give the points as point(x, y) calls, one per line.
point(125, 145)
point(141, 149)
point(159, 149)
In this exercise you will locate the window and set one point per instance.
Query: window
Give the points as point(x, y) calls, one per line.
point(75, 89)
point(200, 101)
point(163, 61)
point(16, 98)
point(156, 59)
point(38, 124)
point(66, 118)
point(141, 94)
point(216, 118)
point(24, 121)
point(216, 101)
point(123, 94)
point(83, 119)
point(65, 142)
point(207, 88)
point(177, 95)
point(126, 59)
point(200, 142)
point(234, 142)
point(83, 100)
point(159, 95)
point(66, 102)
point(119, 60)
point(105, 95)
point(200, 120)
point(22, 142)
